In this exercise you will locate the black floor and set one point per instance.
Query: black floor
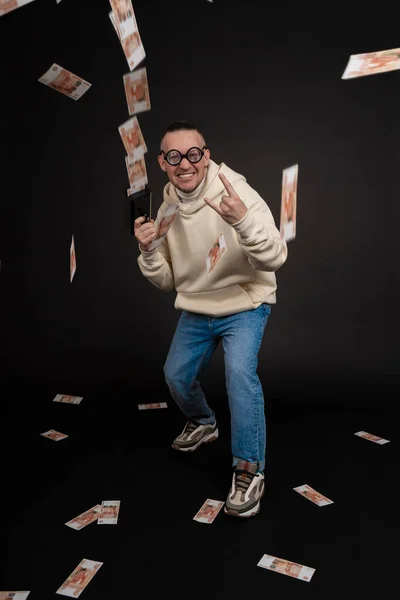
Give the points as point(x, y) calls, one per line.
point(156, 550)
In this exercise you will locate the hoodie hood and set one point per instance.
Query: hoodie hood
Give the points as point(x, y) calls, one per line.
point(212, 189)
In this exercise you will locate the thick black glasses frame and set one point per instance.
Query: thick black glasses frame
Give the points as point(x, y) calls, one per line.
point(184, 155)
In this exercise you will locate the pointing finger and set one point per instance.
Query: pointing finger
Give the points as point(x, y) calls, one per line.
point(228, 186)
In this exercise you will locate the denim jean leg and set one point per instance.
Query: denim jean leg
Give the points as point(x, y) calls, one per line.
point(191, 349)
point(242, 336)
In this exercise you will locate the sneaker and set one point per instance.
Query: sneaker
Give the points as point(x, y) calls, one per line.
point(246, 491)
point(193, 435)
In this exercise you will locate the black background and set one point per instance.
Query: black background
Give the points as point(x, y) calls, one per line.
point(262, 80)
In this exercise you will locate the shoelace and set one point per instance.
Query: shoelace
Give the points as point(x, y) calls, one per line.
point(190, 427)
point(243, 479)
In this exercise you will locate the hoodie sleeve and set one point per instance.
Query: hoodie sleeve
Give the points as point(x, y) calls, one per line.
point(257, 233)
point(156, 267)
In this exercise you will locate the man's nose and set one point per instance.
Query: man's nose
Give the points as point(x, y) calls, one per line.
point(185, 163)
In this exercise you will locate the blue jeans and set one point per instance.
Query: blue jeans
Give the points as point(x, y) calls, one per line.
point(196, 337)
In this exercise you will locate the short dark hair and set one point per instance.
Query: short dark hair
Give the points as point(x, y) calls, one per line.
point(181, 126)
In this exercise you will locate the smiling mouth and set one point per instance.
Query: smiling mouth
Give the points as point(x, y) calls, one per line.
point(186, 175)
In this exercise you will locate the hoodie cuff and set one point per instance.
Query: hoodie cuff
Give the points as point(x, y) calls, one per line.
point(146, 253)
point(150, 259)
point(244, 226)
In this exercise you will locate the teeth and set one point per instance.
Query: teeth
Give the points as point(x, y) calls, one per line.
point(186, 176)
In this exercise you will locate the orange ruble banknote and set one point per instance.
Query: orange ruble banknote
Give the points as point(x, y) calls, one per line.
point(137, 174)
point(85, 518)
point(289, 203)
point(7, 6)
point(133, 50)
point(312, 495)
point(286, 567)
point(65, 82)
point(13, 595)
point(109, 512)
point(68, 399)
point(208, 511)
point(372, 63)
point(79, 578)
point(215, 253)
point(72, 260)
point(132, 138)
point(137, 92)
point(167, 217)
point(124, 17)
point(132, 46)
point(372, 438)
point(152, 405)
point(52, 434)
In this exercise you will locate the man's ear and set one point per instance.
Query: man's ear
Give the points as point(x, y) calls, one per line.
point(161, 162)
point(207, 155)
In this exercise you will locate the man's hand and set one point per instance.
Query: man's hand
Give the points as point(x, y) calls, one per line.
point(231, 208)
point(144, 232)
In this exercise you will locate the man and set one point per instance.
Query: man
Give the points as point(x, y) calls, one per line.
point(231, 303)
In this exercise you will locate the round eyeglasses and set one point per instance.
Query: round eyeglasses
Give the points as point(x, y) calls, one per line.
point(174, 157)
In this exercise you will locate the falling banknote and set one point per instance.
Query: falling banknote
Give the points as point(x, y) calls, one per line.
point(7, 6)
point(289, 203)
point(13, 595)
point(109, 512)
point(124, 17)
point(372, 63)
point(137, 91)
point(85, 518)
point(72, 259)
point(132, 138)
point(132, 45)
point(167, 218)
point(216, 251)
point(137, 174)
point(65, 82)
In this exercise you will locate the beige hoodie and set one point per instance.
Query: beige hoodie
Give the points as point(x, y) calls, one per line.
point(244, 276)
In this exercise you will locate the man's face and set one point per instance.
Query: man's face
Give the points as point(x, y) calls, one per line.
point(186, 176)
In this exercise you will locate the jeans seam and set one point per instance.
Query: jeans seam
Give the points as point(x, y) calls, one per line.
point(197, 369)
point(261, 333)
